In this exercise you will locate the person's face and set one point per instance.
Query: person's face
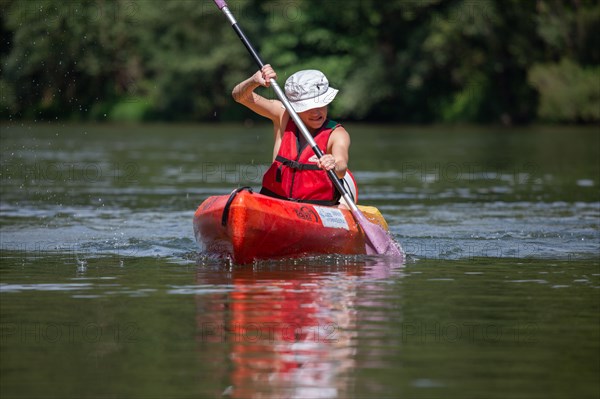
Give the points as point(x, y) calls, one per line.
point(314, 118)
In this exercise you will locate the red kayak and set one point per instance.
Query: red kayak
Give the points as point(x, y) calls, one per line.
point(247, 226)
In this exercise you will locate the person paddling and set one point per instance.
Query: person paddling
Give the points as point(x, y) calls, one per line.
point(296, 173)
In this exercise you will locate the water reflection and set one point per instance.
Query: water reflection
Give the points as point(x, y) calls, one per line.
point(284, 330)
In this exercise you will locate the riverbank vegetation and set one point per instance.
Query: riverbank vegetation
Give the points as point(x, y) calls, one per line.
point(408, 61)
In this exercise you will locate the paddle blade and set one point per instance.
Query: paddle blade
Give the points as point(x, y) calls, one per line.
point(221, 4)
point(379, 241)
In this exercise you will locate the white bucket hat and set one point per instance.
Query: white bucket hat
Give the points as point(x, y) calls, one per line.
point(309, 89)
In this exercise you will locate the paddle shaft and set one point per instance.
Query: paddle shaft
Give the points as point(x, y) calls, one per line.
point(281, 95)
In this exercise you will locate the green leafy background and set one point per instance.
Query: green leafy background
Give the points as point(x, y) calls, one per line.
point(409, 61)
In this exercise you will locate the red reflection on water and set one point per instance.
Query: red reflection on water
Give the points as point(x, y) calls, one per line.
point(288, 332)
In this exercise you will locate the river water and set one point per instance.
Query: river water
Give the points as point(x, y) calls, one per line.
point(105, 294)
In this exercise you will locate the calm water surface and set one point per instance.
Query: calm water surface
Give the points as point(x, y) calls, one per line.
point(105, 294)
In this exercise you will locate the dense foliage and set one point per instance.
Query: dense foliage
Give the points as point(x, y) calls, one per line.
point(412, 61)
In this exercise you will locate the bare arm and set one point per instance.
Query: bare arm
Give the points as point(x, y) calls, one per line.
point(337, 152)
point(244, 94)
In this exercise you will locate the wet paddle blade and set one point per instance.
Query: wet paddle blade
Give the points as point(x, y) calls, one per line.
point(379, 241)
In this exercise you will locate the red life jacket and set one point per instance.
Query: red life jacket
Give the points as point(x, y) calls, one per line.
point(294, 175)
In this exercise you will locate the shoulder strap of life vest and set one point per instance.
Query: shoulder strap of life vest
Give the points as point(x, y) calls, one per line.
point(292, 133)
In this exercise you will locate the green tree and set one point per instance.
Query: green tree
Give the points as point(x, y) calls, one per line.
point(66, 58)
point(411, 61)
point(568, 76)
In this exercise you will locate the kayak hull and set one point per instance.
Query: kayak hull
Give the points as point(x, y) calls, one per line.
point(247, 226)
